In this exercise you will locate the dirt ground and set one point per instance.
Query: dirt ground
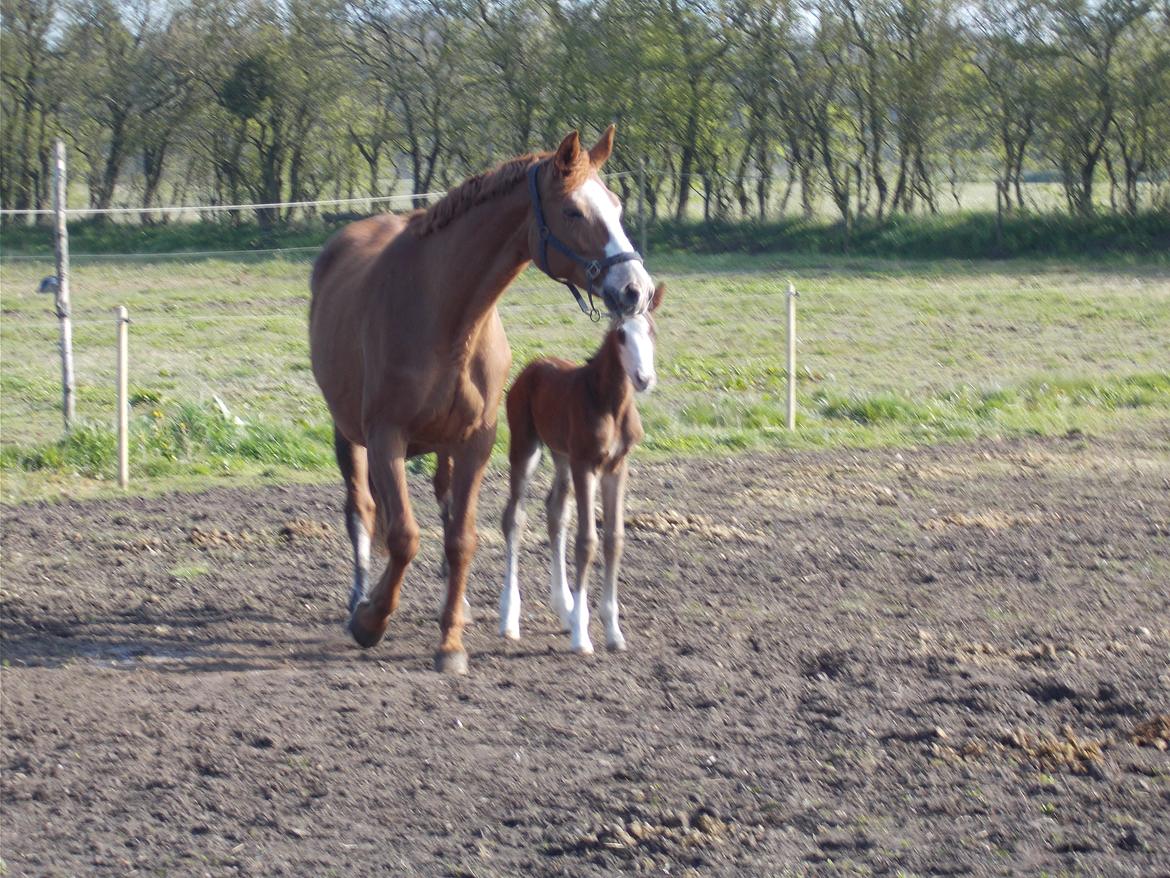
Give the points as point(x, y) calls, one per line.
point(946, 661)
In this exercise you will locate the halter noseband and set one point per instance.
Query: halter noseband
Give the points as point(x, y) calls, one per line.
point(594, 268)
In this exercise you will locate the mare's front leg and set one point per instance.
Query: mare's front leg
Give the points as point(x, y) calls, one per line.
point(585, 487)
point(524, 457)
point(613, 501)
point(557, 509)
point(459, 544)
point(442, 485)
point(387, 461)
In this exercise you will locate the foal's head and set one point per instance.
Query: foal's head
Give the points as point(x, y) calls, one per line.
point(636, 335)
point(584, 214)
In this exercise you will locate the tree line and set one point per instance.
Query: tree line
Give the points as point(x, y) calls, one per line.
point(752, 107)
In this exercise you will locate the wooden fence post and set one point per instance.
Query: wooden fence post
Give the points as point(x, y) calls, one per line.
point(792, 294)
point(123, 397)
point(63, 306)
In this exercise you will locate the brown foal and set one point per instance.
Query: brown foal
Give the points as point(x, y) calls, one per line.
point(587, 418)
point(411, 357)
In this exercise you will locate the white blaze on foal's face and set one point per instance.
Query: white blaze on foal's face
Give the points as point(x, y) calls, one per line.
point(636, 344)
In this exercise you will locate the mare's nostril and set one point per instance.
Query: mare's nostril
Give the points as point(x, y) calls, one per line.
point(630, 294)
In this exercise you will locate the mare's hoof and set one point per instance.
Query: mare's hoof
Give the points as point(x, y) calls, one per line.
point(365, 627)
point(584, 649)
point(451, 662)
point(510, 634)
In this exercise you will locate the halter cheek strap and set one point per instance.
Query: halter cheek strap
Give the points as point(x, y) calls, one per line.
point(594, 268)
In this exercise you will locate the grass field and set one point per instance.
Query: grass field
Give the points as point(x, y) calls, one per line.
point(890, 353)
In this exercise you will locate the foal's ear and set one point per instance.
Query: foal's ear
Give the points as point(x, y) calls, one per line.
point(568, 153)
point(659, 292)
point(600, 151)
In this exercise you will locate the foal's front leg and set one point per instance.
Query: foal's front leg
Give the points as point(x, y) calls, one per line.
point(584, 486)
point(522, 468)
point(557, 509)
point(613, 501)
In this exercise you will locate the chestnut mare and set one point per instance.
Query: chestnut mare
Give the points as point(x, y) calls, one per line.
point(411, 357)
point(587, 418)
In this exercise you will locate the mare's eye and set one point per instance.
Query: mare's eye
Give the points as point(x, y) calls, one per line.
point(573, 213)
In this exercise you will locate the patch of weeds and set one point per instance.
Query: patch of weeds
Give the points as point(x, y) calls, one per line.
point(187, 572)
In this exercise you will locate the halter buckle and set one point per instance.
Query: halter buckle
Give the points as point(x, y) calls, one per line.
point(593, 270)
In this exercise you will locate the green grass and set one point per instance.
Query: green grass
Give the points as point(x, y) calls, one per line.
point(890, 353)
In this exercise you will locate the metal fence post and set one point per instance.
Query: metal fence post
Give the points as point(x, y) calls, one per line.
point(63, 306)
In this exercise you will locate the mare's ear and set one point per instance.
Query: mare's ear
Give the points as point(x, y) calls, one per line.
point(600, 151)
point(659, 292)
point(568, 153)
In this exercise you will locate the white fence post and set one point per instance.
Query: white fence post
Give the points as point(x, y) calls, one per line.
point(63, 305)
point(792, 294)
point(123, 397)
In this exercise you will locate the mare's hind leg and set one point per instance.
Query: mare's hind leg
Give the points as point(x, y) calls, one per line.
point(557, 508)
point(524, 455)
point(459, 543)
point(442, 483)
point(387, 457)
point(359, 510)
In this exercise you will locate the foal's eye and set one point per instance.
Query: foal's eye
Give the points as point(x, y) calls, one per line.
point(573, 213)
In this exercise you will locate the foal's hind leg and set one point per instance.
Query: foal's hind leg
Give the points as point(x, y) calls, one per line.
point(524, 457)
point(387, 456)
point(459, 543)
point(557, 508)
point(359, 510)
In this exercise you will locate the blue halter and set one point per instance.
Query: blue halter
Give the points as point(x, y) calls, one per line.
point(594, 268)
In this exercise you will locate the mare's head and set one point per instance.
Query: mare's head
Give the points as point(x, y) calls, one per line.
point(583, 214)
point(636, 335)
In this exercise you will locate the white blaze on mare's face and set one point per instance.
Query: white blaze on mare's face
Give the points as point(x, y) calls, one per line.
point(602, 204)
point(637, 352)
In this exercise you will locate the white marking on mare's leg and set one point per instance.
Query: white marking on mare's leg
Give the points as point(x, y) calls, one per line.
point(361, 559)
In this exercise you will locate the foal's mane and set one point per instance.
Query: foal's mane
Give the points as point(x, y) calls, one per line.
point(486, 186)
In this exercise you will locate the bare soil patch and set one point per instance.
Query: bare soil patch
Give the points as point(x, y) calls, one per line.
point(946, 661)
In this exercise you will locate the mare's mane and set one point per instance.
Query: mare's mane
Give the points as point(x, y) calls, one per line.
point(486, 186)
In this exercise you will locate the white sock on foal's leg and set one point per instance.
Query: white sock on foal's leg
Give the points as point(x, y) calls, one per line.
point(514, 521)
point(557, 508)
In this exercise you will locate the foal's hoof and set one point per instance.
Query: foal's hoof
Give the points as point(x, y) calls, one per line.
point(451, 662)
point(616, 646)
point(365, 626)
point(584, 649)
